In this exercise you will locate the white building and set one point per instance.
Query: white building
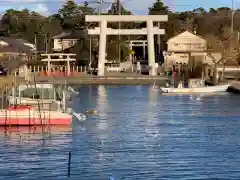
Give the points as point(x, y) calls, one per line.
point(65, 40)
point(186, 46)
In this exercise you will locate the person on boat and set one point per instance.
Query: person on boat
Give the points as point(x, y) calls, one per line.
point(35, 96)
point(174, 76)
point(180, 85)
point(156, 66)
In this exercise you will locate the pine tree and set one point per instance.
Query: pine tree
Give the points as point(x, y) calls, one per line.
point(158, 8)
point(117, 8)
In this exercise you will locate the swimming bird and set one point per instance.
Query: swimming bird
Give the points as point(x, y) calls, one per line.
point(91, 112)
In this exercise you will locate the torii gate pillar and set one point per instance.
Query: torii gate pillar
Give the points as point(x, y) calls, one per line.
point(103, 31)
point(151, 50)
point(102, 48)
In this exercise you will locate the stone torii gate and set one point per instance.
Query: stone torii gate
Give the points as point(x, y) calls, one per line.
point(103, 31)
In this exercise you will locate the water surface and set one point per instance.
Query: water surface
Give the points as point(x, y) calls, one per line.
point(138, 134)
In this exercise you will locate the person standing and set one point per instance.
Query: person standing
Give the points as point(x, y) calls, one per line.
point(156, 66)
point(138, 68)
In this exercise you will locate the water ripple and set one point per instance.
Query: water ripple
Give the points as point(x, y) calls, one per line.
point(138, 134)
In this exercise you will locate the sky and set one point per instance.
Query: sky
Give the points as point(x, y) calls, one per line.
point(139, 7)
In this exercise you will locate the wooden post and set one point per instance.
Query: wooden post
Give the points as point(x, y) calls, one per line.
point(215, 73)
point(68, 66)
point(144, 50)
point(69, 163)
point(130, 47)
point(49, 65)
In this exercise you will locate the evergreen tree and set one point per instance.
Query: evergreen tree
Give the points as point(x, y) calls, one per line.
point(158, 8)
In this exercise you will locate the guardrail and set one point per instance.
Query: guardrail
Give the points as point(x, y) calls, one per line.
point(38, 69)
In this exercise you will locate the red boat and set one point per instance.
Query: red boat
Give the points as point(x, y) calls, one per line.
point(24, 115)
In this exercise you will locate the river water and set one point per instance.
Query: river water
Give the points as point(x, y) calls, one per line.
point(138, 134)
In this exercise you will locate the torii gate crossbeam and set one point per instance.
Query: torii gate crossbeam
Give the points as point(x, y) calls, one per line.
point(103, 31)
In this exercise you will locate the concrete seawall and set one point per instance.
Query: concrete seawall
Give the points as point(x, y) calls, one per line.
point(147, 80)
point(7, 82)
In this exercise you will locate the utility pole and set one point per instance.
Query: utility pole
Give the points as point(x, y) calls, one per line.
point(35, 41)
point(232, 22)
point(46, 43)
point(119, 26)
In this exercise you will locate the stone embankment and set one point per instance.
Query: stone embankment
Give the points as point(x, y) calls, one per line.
point(130, 80)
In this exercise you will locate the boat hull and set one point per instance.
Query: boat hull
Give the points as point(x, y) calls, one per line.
point(32, 117)
point(207, 89)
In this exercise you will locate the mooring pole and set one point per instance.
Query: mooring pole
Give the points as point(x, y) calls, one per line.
point(69, 163)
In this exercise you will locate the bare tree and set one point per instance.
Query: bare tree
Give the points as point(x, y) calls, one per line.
point(228, 46)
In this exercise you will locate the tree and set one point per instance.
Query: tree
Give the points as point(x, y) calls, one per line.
point(118, 43)
point(118, 9)
point(229, 49)
point(69, 9)
point(199, 11)
point(158, 8)
point(28, 24)
point(73, 16)
point(212, 10)
point(23, 24)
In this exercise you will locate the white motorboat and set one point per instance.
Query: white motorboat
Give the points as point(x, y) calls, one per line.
point(195, 86)
point(206, 89)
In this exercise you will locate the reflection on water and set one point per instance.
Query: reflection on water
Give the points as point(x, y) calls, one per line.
point(102, 124)
point(138, 134)
point(32, 151)
point(152, 113)
point(33, 136)
point(102, 102)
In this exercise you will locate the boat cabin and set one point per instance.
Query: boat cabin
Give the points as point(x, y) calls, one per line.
point(29, 94)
